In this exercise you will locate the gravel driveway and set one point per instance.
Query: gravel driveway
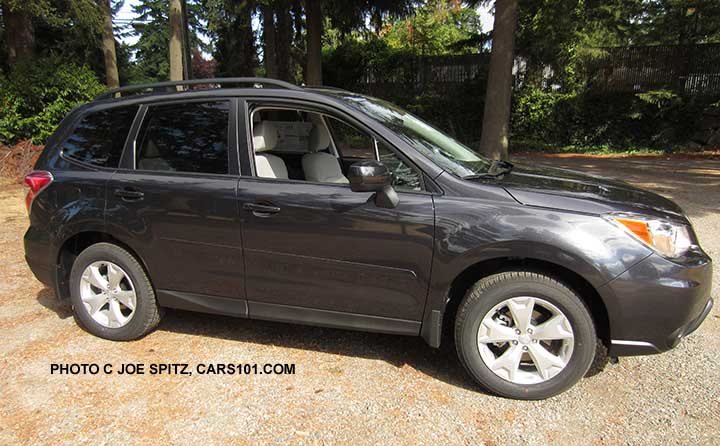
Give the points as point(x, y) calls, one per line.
point(348, 387)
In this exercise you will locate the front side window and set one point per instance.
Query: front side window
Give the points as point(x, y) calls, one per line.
point(99, 138)
point(351, 142)
point(189, 137)
point(355, 144)
point(404, 176)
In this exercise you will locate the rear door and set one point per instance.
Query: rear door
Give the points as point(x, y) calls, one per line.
point(174, 202)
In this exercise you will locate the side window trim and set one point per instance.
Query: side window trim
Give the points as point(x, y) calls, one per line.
point(129, 154)
point(377, 150)
point(247, 156)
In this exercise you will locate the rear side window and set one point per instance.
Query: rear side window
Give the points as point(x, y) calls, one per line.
point(190, 137)
point(99, 138)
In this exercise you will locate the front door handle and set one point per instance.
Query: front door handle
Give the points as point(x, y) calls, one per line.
point(260, 209)
point(129, 194)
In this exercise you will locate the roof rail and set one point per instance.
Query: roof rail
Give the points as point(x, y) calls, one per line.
point(173, 85)
point(326, 87)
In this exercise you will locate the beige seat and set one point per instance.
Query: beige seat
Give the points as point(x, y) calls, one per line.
point(318, 165)
point(152, 159)
point(267, 165)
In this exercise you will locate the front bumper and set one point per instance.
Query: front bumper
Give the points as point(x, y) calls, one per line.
point(656, 303)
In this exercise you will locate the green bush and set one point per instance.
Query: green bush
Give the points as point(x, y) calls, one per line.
point(35, 96)
point(348, 64)
point(541, 115)
point(601, 122)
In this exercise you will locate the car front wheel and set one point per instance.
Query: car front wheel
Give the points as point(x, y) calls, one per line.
point(524, 335)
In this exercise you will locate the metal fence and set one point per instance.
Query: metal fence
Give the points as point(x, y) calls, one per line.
point(688, 69)
point(412, 75)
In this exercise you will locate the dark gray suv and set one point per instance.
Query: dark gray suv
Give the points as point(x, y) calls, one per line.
point(265, 200)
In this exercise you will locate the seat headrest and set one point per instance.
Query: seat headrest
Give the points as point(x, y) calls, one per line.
point(265, 136)
point(319, 138)
point(151, 150)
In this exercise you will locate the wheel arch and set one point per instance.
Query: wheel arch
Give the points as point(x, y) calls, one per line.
point(72, 246)
point(476, 271)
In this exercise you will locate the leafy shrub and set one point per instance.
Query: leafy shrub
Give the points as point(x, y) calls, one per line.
point(601, 122)
point(348, 64)
point(36, 95)
point(540, 115)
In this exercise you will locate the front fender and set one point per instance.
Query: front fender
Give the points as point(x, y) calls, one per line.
point(472, 231)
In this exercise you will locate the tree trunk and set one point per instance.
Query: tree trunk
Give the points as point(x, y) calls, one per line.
point(235, 51)
point(246, 36)
point(176, 56)
point(377, 20)
point(19, 33)
point(108, 46)
point(297, 16)
point(496, 117)
point(186, 51)
point(314, 42)
point(269, 42)
point(284, 40)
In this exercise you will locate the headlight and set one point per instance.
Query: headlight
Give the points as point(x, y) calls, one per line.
point(669, 238)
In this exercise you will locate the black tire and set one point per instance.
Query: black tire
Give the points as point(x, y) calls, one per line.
point(491, 291)
point(147, 313)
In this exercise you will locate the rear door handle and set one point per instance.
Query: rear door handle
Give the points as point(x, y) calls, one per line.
point(256, 208)
point(129, 194)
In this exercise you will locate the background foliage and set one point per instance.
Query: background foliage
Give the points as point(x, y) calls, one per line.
point(35, 96)
point(379, 47)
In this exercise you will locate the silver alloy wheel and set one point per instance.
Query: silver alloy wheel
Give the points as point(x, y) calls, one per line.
point(108, 294)
point(525, 340)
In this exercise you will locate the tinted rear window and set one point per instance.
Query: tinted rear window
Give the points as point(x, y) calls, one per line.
point(99, 138)
point(191, 137)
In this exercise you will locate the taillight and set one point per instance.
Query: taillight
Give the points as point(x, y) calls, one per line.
point(36, 181)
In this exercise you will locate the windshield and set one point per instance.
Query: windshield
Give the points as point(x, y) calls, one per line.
point(445, 151)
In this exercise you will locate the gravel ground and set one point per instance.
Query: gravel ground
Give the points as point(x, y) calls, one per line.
point(348, 387)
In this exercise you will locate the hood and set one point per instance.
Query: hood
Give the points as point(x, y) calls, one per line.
point(576, 191)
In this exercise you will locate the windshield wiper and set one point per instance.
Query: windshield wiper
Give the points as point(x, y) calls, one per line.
point(497, 169)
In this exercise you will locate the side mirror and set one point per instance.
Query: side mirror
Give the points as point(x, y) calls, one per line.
point(373, 176)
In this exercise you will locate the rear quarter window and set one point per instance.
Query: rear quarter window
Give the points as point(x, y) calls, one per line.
point(99, 137)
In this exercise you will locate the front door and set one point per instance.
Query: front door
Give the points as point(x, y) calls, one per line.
point(313, 245)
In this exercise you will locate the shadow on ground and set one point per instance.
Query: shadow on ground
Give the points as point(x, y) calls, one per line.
point(399, 351)
point(46, 298)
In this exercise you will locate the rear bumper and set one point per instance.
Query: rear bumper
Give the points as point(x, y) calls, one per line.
point(656, 303)
point(38, 256)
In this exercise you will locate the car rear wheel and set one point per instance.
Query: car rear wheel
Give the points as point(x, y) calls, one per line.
point(524, 335)
point(111, 294)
